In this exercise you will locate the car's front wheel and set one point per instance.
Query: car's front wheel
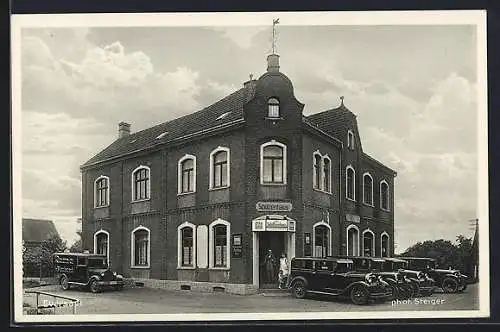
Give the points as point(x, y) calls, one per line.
point(299, 289)
point(359, 295)
point(64, 282)
point(449, 285)
point(394, 292)
point(405, 292)
point(462, 287)
point(94, 287)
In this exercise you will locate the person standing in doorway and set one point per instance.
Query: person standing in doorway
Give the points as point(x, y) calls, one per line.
point(269, 266)
point(283, 271)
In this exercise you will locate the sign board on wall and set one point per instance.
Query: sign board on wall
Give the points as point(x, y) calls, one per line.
point(352, 218)
point(202, 246)
point(237, 251)
point(274, 206)
point(273, 225)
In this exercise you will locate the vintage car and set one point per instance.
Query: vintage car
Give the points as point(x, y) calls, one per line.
point(85, 270)
point(402, 287)
point(450, 281)
point(422, 284)
point(335, 277)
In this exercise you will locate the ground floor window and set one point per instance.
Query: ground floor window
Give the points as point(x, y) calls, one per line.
point(321, 240)
point(352, 241)
point(186, 235)
point(219, 244)
point(140, 247)
point(384, 245)
point(368, 241)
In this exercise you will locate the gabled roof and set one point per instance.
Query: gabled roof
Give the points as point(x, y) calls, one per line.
point(190, 124)
point(38, 230)
point(331, 121)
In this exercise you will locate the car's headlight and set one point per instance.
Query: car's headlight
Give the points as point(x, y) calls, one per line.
point(119, 276)
point(102, 274)
point(114, 274)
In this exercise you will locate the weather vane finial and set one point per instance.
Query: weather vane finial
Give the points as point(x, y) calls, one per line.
point(275, 21)
point(341, 100)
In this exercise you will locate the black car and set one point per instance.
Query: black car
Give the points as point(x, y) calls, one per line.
point(85, 269)
point(450, 281)
point(402, 287)
point(335, 277)
point(422, 284)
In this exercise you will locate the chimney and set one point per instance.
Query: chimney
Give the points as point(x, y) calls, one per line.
point(273, 63)
point(123, 129)
point(250, 88)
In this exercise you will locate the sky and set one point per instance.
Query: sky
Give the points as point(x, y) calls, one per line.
point(413, 89)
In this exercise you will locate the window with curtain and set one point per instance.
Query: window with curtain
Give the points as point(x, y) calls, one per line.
point(321, 235)
point(273, 171)
point(141, 242)
point(220, 245)
point(187, 246)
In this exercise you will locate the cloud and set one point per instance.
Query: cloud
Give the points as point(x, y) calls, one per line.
point(241, 36)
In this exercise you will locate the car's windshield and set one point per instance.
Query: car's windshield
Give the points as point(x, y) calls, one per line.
point(362, 264)
point(388, 266)
point(97, 262)
point(377, 266)
point(343, 267)
point(398, 265)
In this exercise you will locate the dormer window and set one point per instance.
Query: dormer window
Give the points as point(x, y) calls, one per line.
point(273, 108)
point(350, 139)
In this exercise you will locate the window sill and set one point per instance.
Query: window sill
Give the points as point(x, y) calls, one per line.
point(213, 268)
point(141, 200)
point(185, 267)
point(186, 193)
point(218, 188)
point(370, 205)
point(272, 184)
point(140, 267)
point(350, 199)
point(322, 191)
point(385, 210)
point(101, 207)
point(274, 119)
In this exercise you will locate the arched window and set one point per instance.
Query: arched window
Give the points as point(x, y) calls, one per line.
point(219, 168)
point(187, 174)
point(273, 163)
point(384, 245)
point(352, 240)
point(220, 231)
point(350, 139)
point(350, 183)
point(321, 241)
point(186, 235)
point(384, 195)
point(317, 171)
point(140, 247)
point(141, 183)
point(368, 243)
point(367, 189)
point(101, 243)
point(273, 105)
point(327, 171)
point(101, 191)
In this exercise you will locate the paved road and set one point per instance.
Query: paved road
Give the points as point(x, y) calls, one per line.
point(153, 301)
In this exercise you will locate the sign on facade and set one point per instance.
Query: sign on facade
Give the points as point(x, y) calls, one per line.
point(352, 218)
point(273, 225)
point(274, 206)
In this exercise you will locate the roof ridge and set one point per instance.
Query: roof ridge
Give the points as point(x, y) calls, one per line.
point(323, 112)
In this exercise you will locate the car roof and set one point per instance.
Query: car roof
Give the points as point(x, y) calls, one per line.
point(377, 259)
point(333, 259)
point(79, 254)
point(392, 259)
point(418, 258)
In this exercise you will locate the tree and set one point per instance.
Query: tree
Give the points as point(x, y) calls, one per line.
point(37, 260)
point(445, 252)
point(77, 245)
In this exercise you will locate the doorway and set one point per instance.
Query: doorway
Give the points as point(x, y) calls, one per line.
point(274, 241)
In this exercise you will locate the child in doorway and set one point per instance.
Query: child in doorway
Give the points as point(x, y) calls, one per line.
point(283, 271)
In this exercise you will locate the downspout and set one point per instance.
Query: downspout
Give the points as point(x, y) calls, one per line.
point(341, 211)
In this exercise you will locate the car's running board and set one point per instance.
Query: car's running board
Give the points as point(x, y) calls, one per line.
point(76, 283)
point(324, 293)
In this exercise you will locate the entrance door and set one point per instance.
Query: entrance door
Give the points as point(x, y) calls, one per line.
point(274, 241)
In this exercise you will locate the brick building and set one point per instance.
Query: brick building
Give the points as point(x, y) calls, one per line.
point(198, 201)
